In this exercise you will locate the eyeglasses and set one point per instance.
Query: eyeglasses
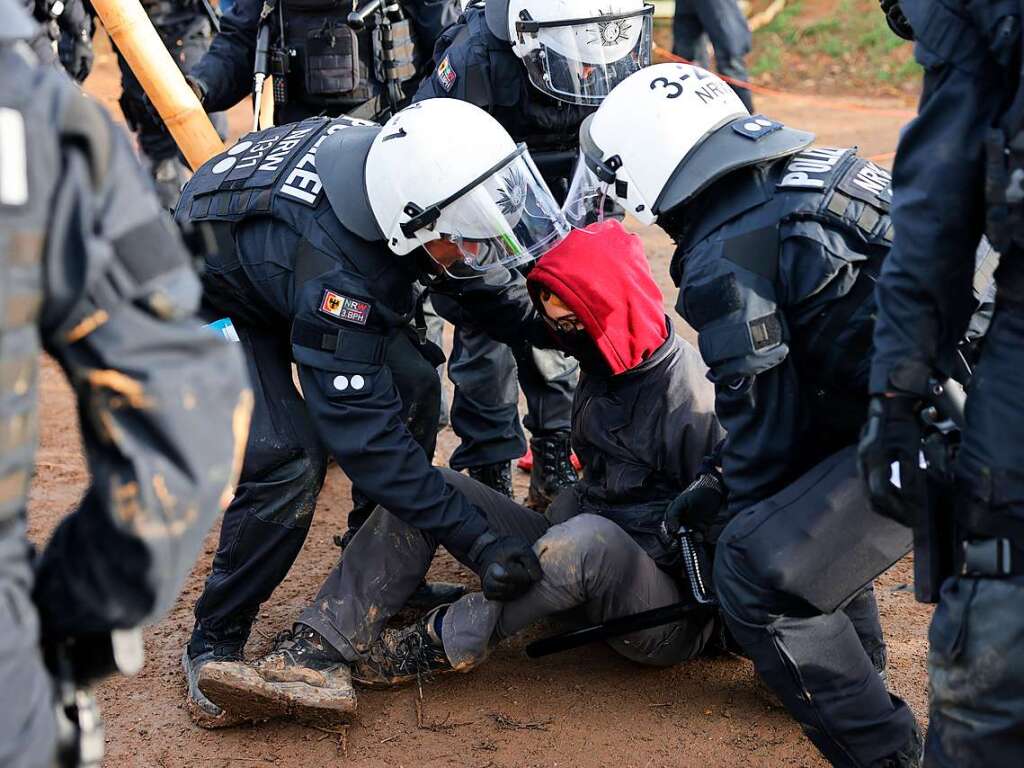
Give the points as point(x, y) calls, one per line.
point(569, 324)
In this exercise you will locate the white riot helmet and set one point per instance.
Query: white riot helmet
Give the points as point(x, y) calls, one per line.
point(442, 168)
point(575, 50)
point(663, 136)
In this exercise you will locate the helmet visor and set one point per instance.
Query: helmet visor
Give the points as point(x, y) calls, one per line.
point(581, 60)
point(507, 219)
point(589, 199)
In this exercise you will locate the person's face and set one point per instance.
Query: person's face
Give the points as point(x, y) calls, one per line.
point(558, 314)
point(446, 253)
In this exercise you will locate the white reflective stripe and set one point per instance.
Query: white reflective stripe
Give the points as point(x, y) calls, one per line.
point(13, 161)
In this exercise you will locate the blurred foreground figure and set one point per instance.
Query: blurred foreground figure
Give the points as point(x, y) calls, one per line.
point(93, 274)
point(957, 163)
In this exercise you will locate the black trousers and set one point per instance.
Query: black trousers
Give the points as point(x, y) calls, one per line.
point(791, 572)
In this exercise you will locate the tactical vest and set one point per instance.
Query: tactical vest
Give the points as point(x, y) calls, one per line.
point(272, 173)
point(322, 62)
point(28, 171)
point(832, 198)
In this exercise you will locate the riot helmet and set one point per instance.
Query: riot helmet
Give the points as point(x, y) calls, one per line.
point(575, 50)
point(442, 170)
point(663, 136)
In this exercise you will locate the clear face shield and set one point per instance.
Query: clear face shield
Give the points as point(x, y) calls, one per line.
point(589, 199)
point(581, 60)
point(504, 219)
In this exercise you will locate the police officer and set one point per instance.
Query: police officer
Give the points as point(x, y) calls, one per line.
point(93, 274)
point(778, 246)
point(539, 67)
point(64, 34)
point(319, 64)
point(186, 28)
point(970, 110)
point(696, 22)
point(325, 219)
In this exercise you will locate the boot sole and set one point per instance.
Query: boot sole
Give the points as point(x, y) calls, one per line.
point(240, 690)
point(383, 685)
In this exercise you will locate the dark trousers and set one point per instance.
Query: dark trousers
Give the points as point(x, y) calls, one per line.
point(266, 523)
point(588, 562)
point(790, 573)
point(977, 632)
point(723, 23)
point(485, 412)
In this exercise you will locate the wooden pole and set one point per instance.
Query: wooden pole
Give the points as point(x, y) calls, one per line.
point(147, 56)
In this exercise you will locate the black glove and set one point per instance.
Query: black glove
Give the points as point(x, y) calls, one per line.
point(699, 508)
point(76, 54)
point(896, 20)
point(507, 567)
point(889, 457)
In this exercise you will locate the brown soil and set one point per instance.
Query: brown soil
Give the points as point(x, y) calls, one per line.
point(584, 708)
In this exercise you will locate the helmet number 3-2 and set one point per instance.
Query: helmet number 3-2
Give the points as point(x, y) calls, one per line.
point(673, 90)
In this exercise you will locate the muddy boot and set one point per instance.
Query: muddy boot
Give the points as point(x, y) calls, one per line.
point(204, 712)
point(303, 677)
point(405, 655)
point(552, 469)
point(497, 476)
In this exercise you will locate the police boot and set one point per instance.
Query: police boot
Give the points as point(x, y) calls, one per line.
point(497, 476)
point(552, 469)
point(405, 655)
point(303, 677)
point(204, 712)
point(910, 756)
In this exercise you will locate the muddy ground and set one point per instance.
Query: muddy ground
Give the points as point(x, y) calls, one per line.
point(585, 708)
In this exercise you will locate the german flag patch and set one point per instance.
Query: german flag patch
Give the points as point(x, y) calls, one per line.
point(344, 308)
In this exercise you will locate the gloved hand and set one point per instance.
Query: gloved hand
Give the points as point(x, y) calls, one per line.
point(889, 457)
point(699, 507)
point(76, 54)
point(896, 20)
point(508, 567)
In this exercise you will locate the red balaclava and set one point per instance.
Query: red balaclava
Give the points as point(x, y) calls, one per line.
point(601, 274)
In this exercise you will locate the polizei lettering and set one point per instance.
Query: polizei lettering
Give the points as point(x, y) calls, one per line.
point(303, 183)
point(811, 168)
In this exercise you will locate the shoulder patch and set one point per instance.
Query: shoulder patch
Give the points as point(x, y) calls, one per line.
point(446, 75)
point(343, 307)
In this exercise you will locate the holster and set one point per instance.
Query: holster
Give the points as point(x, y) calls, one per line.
point(935, 536)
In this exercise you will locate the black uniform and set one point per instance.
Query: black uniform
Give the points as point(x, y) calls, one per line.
point(64, 34)
point(776, 263)
point(319, 65)
point(971, 54)
point(473, 65)
point(186, 29)
point(300, 286)
point(93, 274)
point(722, 23)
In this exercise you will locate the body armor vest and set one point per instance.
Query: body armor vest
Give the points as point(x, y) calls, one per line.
point(273, 173)
point(736, 276)
point(326, 64)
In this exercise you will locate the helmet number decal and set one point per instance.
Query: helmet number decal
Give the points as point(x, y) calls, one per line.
point(673, 90)
point(711, 89)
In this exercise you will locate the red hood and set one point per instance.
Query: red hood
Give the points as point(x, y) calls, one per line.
point(602, 275)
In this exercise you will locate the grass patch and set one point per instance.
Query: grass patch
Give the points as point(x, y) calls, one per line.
point(853, 40)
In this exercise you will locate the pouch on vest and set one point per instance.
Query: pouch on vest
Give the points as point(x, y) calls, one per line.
point(332, 61)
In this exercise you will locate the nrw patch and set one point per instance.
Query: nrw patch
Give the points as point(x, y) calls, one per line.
point(344, 308)
point(446, 75)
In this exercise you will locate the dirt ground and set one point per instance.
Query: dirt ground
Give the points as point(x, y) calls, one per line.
point(585, 708)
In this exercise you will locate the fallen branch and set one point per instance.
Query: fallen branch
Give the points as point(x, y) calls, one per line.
point(509, 724)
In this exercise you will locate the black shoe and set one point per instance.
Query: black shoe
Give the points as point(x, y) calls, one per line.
point(552, 469)
point(497, 476)
point(303, 677)
point(910, 756)
point(404, 655)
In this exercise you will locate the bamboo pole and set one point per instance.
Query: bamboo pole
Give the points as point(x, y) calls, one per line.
point(133, 34)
